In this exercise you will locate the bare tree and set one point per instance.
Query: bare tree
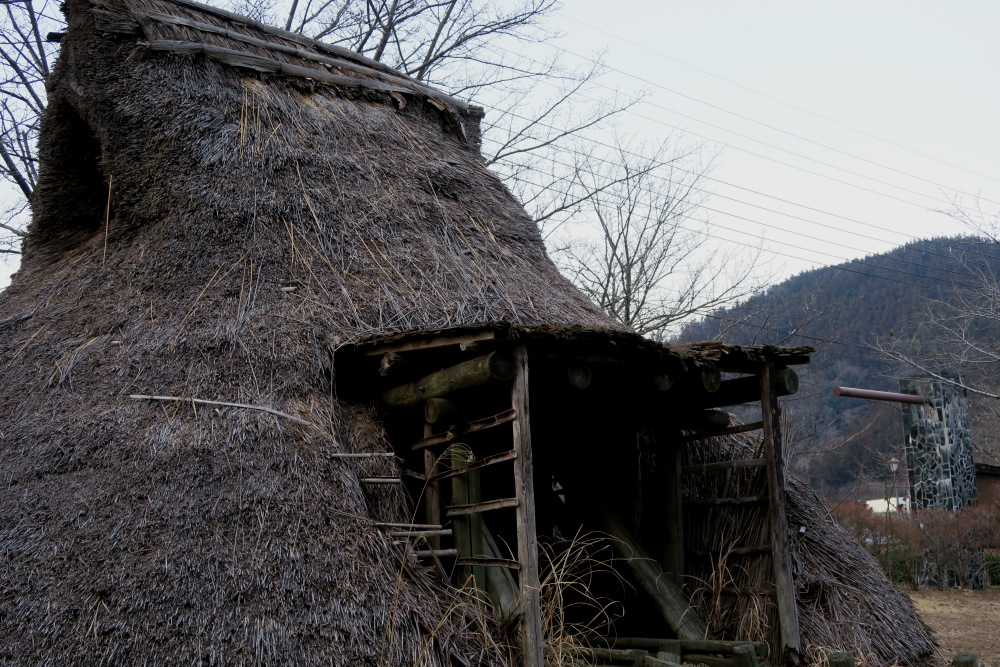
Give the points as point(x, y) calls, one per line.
point(25, 61)
point(649, 261)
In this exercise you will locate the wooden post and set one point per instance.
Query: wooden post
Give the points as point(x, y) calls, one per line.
point(532, 641)
point(774, 455)
point(432, 494)
point(965, 660)
point(841, 659)
point(669, 462)
point(468, 528)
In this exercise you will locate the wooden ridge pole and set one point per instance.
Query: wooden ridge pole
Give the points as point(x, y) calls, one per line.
point(532, 641)
point(778, 523)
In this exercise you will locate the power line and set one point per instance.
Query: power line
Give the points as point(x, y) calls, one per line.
point(763, 224)
point(769, 145)
point(699, 175)
point(783, 102)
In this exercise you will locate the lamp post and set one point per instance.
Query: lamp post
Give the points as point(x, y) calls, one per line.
point(890, 503)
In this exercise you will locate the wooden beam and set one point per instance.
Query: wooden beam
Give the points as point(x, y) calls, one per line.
point(532, 640)
point(788, 616)
point(469, 427)
point(668, 598)
point(472, 373)
point(747, 389)
point(428, 343)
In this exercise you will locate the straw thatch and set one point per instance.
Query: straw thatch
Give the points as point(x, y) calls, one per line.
point(216, 232)
point(845, 602)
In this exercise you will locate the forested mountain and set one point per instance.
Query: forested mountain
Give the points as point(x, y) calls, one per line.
point(846, 311)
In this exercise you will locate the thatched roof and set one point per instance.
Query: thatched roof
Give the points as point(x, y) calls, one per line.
point(845, 602)
point(214, 226)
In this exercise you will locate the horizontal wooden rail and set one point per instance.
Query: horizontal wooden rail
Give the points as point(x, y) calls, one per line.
point(477, 508)
point(488, 461)
point(420, 533)
point(490, 562)
point(470, 427)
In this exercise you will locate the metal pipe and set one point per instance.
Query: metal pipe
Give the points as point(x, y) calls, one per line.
point(873, 395)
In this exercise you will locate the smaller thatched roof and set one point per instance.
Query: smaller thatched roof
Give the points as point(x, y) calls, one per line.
point(845, 602)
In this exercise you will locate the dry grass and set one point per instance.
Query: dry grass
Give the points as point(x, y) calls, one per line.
point(571, 612)
point(964, 621)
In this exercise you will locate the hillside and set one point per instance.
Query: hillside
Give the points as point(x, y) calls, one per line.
point(840, 444)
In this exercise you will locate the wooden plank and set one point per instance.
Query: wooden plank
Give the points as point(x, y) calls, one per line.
point(428, 343)
point(488, 461)
point(778, 529)
point(429, 526)
point(673, 606)
point(720, 646)
point(470, 427)
point(725, 465)
point(532, 641)
point(420, 533)
point(483, 561)
point(732, 430)
point(381, 480)
point(487, 506)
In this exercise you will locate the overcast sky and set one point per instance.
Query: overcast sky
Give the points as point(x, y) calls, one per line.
point(916, 78)
point(919, 75)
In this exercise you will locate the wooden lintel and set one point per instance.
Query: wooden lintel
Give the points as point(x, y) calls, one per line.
point(486, 506)
point(724, 465)
point(381, 480)
point(489, 562)
point(415, 526)
point(488, 461)
point(732, 430)
point(470, 427)
point(497, 365)
point(429, 343)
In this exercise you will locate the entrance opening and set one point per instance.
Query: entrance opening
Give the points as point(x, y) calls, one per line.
point(71, 198)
